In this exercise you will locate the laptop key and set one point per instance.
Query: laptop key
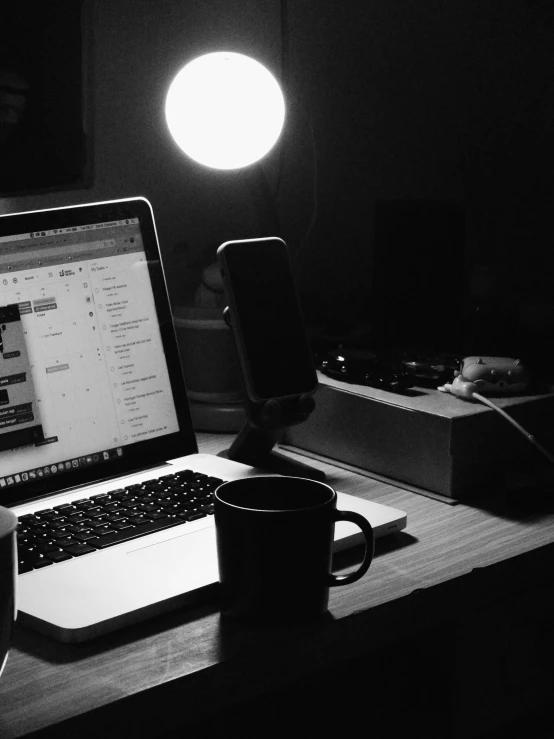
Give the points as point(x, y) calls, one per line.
point(77, 550)
point(61, 524)
point(193, 515)
point(103, 530)
point(85, 536)
point(77, 517)
point(138, 519)
point(26, 518)
point(32, 562)
point(40, 563)
point(95, 513)
point(51, 517)
point(209, 508)
point(120, 525)
point(24, 566)
point(45, 548)
point(77, 528)
point(58, 556)
point(86, 505)
point(66, 542)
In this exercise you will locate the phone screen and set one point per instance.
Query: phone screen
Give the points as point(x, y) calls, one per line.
point(267, 319)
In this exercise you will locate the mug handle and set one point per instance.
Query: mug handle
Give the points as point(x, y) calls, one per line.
point(367, 531)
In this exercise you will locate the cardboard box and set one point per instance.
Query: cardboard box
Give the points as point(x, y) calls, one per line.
point(425, 439)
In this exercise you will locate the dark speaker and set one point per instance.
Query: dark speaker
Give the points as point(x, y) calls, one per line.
point(419, 267)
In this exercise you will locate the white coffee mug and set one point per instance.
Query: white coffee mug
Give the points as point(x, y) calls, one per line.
point(8, 579)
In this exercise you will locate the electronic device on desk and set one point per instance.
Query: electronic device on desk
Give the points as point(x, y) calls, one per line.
point(278, 371)
point(366, 367)
point(391, 370)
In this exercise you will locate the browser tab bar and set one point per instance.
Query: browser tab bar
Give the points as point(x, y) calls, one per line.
point(69, 230)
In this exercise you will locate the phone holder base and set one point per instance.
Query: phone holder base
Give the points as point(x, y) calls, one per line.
point(264, 428)
point(281, 465)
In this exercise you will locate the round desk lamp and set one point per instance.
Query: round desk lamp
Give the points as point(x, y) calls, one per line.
point(225, 111)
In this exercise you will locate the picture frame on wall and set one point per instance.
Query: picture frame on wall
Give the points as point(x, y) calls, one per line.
point(45, 136)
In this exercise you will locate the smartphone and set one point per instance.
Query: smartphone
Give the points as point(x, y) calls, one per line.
point(266, 317)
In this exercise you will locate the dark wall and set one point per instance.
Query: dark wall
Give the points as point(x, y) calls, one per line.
point(435, 101)
point(431, 102)
point(43, 144)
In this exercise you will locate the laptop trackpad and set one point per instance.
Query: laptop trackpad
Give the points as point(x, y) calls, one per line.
point(188, 557)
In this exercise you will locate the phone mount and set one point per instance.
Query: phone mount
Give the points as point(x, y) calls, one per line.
point(266, 423)
point(265, 426)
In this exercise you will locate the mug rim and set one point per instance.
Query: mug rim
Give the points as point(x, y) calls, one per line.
point(236, 507)
point(8, 522)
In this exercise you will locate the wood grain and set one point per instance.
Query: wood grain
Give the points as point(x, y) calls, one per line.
point(173, 669)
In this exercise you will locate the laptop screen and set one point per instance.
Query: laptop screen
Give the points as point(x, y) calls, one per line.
point(90, 381)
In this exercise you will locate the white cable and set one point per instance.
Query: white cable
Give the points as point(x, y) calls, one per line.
point(520, 428)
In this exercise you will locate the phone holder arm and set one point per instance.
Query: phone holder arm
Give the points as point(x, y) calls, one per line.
point(266, 423)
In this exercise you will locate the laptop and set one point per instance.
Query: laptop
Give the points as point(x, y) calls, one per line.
point(98, 456)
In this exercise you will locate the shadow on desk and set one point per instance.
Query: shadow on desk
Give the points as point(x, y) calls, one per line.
point(58, 653)
point(384, 545)
point(526, 504)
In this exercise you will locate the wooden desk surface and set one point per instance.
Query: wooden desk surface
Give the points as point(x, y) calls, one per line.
point(449, 559)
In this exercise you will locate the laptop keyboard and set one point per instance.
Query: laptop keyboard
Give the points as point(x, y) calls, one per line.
point(88, 525)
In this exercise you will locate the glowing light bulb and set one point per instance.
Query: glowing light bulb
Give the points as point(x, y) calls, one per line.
point(225, 110)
